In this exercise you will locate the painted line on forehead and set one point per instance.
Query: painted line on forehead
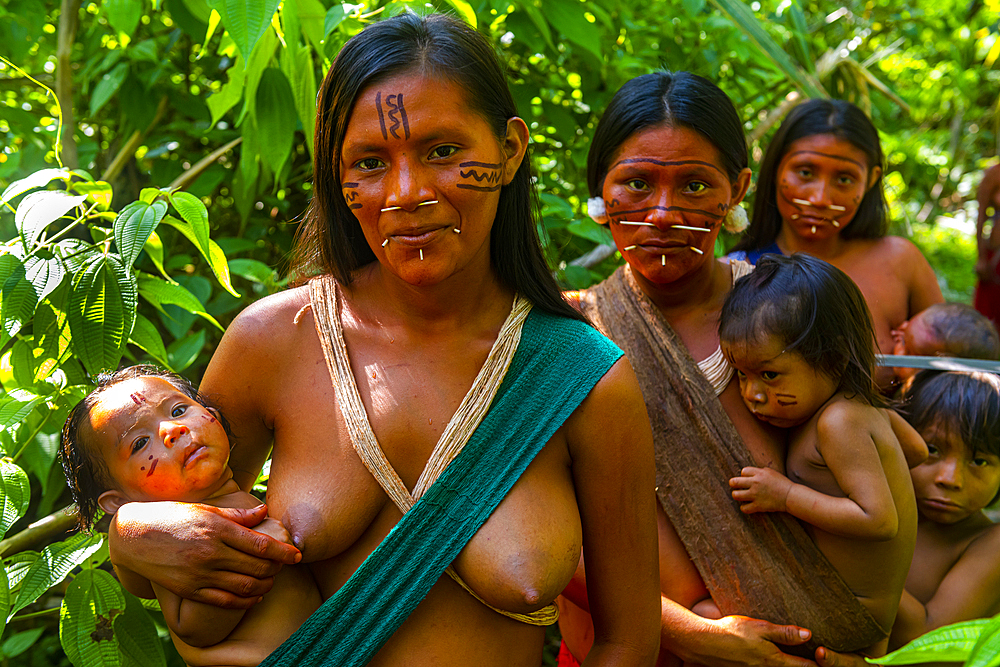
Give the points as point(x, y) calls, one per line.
point(829, 155)
point(709, 214)
point(487, 165)
point(479, 188)
point(381, 117)
point(666, 163)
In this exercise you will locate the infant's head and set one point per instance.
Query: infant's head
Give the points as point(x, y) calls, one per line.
point(143, 434)
point(946, 330)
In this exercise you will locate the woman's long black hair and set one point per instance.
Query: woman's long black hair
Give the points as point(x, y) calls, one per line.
point(841, 119)
point(330, 240)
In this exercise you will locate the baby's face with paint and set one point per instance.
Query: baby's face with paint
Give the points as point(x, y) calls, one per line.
point(158, 443)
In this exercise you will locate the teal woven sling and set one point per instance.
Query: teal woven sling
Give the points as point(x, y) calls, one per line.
point(556, 365)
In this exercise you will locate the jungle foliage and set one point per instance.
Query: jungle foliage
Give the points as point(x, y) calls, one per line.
point(155, 161)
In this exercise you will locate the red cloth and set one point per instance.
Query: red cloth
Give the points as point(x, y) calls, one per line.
point(987, 296)
point(566, 658)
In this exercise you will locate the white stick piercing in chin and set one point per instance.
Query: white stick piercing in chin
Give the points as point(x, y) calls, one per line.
point(697, 250)
point(663, 260)
point(693, 229)
point(802, 202)
point(631, 247)
point(457, 230)
point(637, 224)
point(814, 229)
point(834, 207)
point(391, 208)
point(421, 254)
point(385, 243)
point(836, 224)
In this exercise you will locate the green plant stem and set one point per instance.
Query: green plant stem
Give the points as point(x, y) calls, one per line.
point(35, 614)
point(34, 433)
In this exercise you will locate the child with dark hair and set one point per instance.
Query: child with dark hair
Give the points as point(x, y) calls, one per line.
point(145, 434)
point(955, 575)
point(800, 337)
point(946, 330)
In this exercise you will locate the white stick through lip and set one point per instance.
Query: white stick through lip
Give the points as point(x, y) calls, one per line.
point(385, 243)
point(631, 247)
point(421, 254)
point(663, 260)
point(697, 250)
point(814, 229)
point(802, 202)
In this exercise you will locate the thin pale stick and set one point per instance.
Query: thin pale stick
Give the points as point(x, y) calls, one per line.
point(457, 230)
point(836, 224)
point(631, 247)
point(427, 203)
point(693, 229)
point(637, 224)
point(391, 208)
point(697, 250)
point(421, 254)
point(802, 202)
point(385, 243)
point(814, 229)
point(834, 207)
point(663, 260)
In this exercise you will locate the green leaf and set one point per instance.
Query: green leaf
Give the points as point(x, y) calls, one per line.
point(38, 210)
point(311, 14)
point(133, 227)
point(986, 652)
point(35, 180)
point(45, 275)
point(4, 603)
point(160, 292)
point(275, 116)
point(567, 17)
point(335, 16)
point(17, 405)
point(101, 313)
point(230, 93)
point(18, 643)
point(216, 258)
point(744, 18)
point(145, 335)
point(55, 562)
point(253, 270)
point(123, 15)
point(16, 494)
point(18, 566)
point(86, 620)
point(138, 640)
point(590, 230)
point(183, 352)
point(952, 643)
point(18, 298)
point(298, 66)
point(154, 250)
point(149, 195)
point(108, 85)
point(245, 20)
point(464, 10)
point(538, 19)
point(22, 363)
point(193, 211)
point(98, 192)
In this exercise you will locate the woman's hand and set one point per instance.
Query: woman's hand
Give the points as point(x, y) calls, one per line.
point(199, 552)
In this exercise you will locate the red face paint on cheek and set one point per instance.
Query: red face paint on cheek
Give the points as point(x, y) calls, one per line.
point(137, 398)
point(152, 467)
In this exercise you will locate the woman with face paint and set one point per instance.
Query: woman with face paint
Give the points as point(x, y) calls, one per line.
point(447, 431)
point(820, 192)
point(667, 169)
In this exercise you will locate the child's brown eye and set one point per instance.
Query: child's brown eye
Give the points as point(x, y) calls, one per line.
point(769, 375)
point(178, 411)
point(139, 443)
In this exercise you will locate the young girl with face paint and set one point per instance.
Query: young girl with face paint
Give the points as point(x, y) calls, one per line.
point(448, 433)
point(143, 435)
point(798, 332)
point(820, 192)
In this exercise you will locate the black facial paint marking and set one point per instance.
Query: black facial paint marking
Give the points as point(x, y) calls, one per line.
point(396, 113)
point(721, 207)
point(381, 118)
point(709, 214)
point(492, 177)
point(351, 196)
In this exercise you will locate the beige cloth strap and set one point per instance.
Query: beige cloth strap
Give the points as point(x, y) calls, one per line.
point(715, 366)
point(470, 412)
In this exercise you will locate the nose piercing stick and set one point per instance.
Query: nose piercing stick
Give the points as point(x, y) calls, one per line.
point(391, 208)
point(637, 224)
point(428, 202)
point(802, 202)
point(697, 250)
point(693, 229)
point(421, 254)
point(457, 230)
point(385, 243)
point(423, 203)
point(631, 247)
point(834, 207)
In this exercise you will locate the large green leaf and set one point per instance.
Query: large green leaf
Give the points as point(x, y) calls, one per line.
point(245, 20)
point(35, 180)
point(92, 603)
point(16, 494)
point(45, 275)
point(952, 643)
point(53, 564)
point(20, 642)
point(567, 17)
point(18, 299)
point(145, 335)
point(16, 405)
point(38, 210)
point(133, 227)
point(18, 566)
point(216, 258)
point(230, 93)
point(464, 10)
point(986, 652)
point(107, 86)
point(275, 117)
point(183, 352)
point(160, 293)
point(123, 15)
point(138, 640)
point(4, 602)
point(192, 210)
point(743, 16)
point(102, 311)
point(298, 66)
point(311, 15)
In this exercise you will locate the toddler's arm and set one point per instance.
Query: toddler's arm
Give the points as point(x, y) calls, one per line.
point(971, 589)
point(846, 443)
point(913, 446)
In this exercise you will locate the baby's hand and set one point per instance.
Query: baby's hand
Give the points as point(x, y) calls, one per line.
point(274, 528)
point(762, 489)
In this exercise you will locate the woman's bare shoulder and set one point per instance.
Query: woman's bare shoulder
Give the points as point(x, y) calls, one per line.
point(274, 316)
